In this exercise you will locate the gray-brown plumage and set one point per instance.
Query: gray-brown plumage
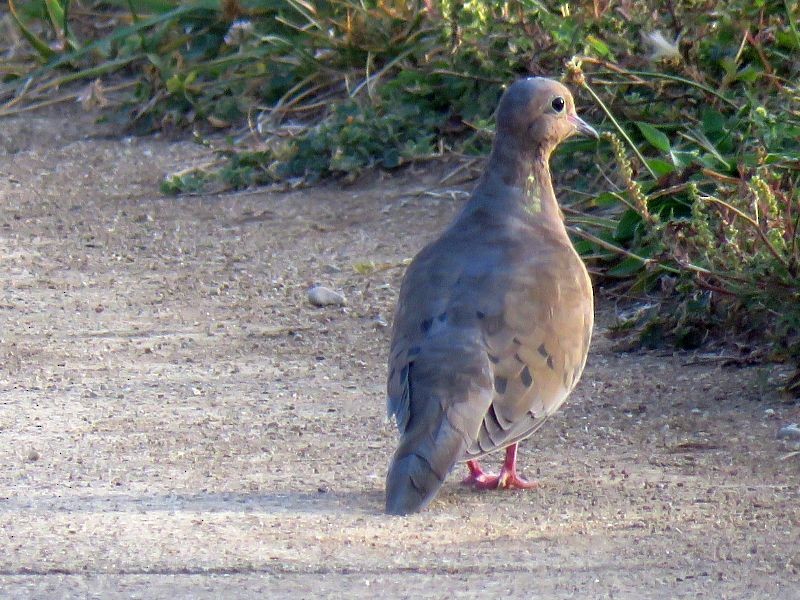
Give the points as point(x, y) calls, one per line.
point(494, 318)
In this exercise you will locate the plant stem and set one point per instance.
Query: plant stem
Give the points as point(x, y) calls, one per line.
point(622, 132)
point(748, 219)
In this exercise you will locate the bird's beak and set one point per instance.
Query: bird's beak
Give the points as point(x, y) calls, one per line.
point(583, 127)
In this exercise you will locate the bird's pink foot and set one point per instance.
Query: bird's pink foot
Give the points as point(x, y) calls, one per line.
point(506, 479)
point(478, 478)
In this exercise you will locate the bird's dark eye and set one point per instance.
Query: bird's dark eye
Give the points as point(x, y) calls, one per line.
point(557, 104)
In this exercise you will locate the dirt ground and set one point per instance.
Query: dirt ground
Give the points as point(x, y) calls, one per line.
point(177, 421)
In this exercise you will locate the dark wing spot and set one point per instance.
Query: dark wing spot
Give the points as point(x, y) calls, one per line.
point(426, 325)
point(526, 377)
point(543, 350)
point(480, 315)
point(492, 425)
point(516, 341)
point(492, 414)
point(493, 324)
point(493, 358)
point(442, 317)
point(516, 356)
point(550, 362)
point(500, 384)
point(413, 351)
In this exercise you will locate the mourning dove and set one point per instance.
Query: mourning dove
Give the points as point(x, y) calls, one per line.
point(494, 317)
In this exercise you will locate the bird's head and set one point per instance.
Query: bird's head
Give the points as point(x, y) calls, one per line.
point(539, 112)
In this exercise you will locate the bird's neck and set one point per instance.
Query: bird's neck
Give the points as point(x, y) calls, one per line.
point(527, 173)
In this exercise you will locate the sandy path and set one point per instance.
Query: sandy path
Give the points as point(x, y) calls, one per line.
point(177, 421)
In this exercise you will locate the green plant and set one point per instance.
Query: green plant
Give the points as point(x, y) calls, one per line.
point(694, 199)
point(718, 217)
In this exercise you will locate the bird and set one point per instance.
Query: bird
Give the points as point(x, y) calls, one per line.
point(494, 318)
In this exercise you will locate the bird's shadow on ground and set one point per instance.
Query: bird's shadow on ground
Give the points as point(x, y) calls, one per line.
point(366, 503)
point(363, 503)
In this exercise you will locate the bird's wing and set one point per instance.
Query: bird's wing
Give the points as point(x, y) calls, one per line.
point(440, 377)
point(436, 331)
point(537, 343)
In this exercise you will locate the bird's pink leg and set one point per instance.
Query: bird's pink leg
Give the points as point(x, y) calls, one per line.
point(507, 478)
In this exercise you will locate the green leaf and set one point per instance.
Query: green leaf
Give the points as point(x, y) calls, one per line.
point(583, 247)
point(713, 122)
point(626, 267)
point(158, 63)
point(657, 139)
point(787, 39)
point(605, 200)
point(684, 159)
point(174, 84)
point(56, 13)
point(599, 46)
point(748, 74)
point(627, 225)
point(660, 167)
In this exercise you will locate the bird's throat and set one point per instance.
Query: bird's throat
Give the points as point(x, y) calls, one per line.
point(532, 195)
point(538, 197)
point(528, 173)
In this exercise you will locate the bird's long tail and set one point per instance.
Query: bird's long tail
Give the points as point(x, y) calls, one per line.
point(425, 456)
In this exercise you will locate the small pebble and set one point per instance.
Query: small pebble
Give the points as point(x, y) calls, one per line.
point(322, 296)
point(33, 455)
point(789, 432)
point(379, 322)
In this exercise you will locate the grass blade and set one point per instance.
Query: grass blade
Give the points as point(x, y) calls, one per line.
point(44, 50)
